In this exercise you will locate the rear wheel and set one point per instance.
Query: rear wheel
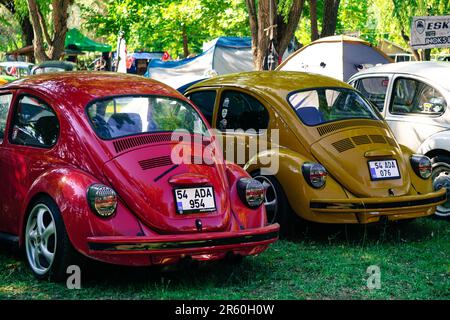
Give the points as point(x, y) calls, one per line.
point(441, 179)
point(47, 246)
point(276, 203)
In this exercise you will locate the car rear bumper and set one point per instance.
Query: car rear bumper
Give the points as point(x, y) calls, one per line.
point(165, 249)
point(370, 209)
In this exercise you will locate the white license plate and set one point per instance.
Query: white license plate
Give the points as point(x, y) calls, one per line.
point(384, 169)
point(194, 200)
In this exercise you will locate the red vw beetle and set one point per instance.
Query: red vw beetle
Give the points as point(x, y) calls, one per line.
point(86, 163)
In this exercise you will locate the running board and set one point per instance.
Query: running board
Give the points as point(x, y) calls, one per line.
point(9, 239)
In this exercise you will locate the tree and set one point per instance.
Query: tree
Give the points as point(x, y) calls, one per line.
point(179, 27)
point(277, 18)
point(55, 39)
point(22, 17)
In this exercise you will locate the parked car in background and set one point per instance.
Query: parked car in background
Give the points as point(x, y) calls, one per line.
point(15, 69)
point(88, 169)
point(338, 160)
point(54, 66)
point(413, 97)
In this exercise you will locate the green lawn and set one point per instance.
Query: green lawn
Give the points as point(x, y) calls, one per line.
point(322, 262)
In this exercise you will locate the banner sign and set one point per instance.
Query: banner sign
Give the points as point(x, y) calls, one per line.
point(430, 32)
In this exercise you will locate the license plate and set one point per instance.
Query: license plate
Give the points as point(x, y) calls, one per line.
point(194, 200)
point(384, 169)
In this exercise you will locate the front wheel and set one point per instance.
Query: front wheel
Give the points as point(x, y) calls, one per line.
point(47, 246)
point(441, 179)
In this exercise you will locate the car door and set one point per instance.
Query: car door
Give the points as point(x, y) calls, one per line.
point(6, 98)
point(415, 110)
point(32, 132)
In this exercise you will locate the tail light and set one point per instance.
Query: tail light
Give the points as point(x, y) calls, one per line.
point(315, 174)
point(251, 192)
point(421, 165)
point(102, 200)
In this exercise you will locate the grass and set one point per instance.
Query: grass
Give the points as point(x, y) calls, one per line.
point(322, 262)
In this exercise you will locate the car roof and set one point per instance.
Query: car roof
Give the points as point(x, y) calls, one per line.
point(274, 82)
point(439, 72)
point(84, 86)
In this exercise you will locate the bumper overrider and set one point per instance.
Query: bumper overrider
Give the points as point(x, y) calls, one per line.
point(402, 207)
point(244, 242)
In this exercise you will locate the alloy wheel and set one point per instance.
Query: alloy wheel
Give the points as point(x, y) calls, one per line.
point(40, 239)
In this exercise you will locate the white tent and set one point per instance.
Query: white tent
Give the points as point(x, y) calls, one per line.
point(220, 56)
point(339, 57)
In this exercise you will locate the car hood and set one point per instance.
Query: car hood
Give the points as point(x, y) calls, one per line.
point(145, 180)
point(346, 153)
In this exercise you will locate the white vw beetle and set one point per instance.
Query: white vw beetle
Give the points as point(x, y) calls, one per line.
point(413, 97)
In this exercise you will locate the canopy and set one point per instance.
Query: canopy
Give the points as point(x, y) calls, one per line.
point(339, 57)
point(77, 41)
point(220, 56)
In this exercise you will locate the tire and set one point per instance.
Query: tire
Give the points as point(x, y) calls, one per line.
point(48, 250)
point(277, 206)
point(441, 177)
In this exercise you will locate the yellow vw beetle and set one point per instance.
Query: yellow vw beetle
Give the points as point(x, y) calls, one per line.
point(338, 161)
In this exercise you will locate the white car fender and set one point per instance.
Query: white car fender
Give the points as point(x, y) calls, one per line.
point(439, 140)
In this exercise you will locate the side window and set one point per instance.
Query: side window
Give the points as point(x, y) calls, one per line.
point(205, 100)
point(240, 111)
point(5, 102)
point(415, 97)
point(34, 124)
point(374, 89)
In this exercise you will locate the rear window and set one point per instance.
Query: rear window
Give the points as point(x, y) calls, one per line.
point(318, 106)
point(131, 115)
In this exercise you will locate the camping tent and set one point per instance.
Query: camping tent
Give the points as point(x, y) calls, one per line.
point(75, 40)
point(220, 56)
point(338, 56)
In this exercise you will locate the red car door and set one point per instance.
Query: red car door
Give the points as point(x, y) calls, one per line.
point(31, 133)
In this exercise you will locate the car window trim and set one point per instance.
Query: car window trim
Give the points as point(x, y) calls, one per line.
point(188, 96)
point(415, 78)
point(219, 100)
point(8, 116)
point(16, 105)
point(388, 89)
point(332, 88)
point(185, 100)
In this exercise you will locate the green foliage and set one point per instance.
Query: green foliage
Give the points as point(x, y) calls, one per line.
point(158, 25)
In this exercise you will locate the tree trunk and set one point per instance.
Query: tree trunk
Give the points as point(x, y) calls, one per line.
point(262, 16)
point(286, 30)
point(330, 12)
point(56, 43)
point(185, 43)
point(407, 40)
point(253, 21)
point(38, 42)
point(313, 15)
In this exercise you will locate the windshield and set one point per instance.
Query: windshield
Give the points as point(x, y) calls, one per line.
point(124, 116)
point(318, 106)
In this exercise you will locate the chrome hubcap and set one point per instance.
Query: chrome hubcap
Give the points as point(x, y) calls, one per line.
point(441, 179)
point(271, 199)
point(40, 239)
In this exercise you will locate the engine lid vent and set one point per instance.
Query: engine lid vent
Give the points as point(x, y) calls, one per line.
point(343, 145)
point(133, 142)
